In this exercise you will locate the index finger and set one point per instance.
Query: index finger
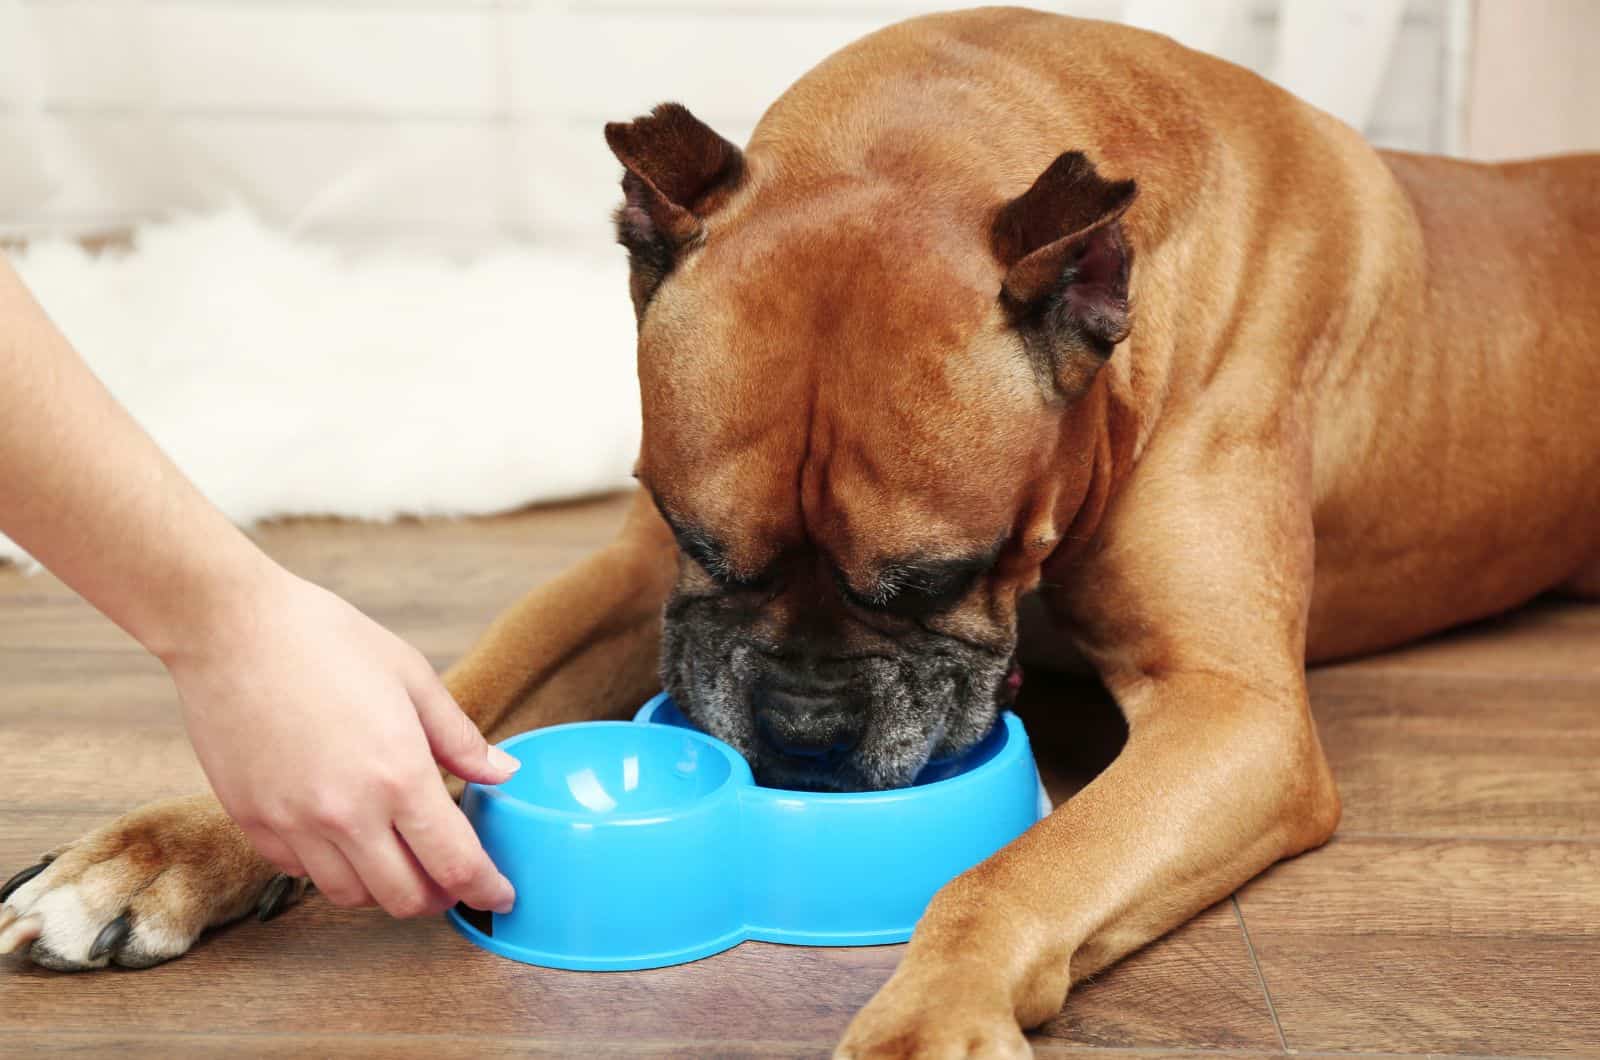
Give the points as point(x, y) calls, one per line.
point(448, 849)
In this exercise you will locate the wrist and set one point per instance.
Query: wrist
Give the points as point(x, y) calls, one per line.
point(215, 606)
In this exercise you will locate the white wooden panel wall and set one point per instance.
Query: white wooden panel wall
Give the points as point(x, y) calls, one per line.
point(456, 121)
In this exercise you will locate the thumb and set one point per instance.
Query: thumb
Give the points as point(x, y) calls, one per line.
point(454, 740)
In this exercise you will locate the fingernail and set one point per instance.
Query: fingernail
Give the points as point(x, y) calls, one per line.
point(502, 761)
point(510, 900)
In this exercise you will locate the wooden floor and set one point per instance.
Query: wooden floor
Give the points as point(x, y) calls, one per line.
point(1457, 911)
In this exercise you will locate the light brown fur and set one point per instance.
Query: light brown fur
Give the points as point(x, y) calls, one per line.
point(1355, 408)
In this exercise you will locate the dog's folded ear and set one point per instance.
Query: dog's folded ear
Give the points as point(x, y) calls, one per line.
point(1067, 264)
point(674, 169)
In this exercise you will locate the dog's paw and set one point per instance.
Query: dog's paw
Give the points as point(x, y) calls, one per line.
point(938, 1020)
point(140, 890)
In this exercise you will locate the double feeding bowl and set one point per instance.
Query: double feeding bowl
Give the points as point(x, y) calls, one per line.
point(647, 843)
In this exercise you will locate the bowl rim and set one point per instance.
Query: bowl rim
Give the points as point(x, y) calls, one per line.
point(738, 776)
point(1016, 745)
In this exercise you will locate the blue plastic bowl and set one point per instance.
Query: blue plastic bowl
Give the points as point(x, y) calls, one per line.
point(648, 843)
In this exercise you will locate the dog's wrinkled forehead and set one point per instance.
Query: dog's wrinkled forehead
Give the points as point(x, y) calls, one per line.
point(837, 375)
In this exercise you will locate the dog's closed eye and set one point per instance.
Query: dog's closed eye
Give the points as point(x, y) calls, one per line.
point(917, 587)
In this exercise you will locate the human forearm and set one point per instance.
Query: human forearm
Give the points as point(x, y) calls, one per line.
point(88, 493)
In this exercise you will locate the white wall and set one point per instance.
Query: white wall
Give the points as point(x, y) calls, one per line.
point(1534, 84)
point(454, 121)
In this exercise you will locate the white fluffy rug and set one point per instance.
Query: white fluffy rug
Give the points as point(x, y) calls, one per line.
point(287, 378)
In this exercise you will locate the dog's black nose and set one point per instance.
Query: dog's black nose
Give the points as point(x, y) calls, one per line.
point(807, 725)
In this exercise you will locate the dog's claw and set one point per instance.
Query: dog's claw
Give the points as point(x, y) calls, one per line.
point(10, 886)
point(111, 938)
point(275, 899)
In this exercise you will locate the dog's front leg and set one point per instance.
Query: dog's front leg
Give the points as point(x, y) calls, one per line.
point(582, 646)
point(1222, 775)
point(1218, 780)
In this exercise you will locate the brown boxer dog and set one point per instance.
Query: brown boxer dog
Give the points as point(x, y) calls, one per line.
point(998, 304)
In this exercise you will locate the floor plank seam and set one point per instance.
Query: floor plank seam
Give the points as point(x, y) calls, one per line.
point(1060, 1048)
point(1424, 837)
point(132, 651)
point(1376, 679)
point(635, 1044)
point(623, 1044)
point(517, 1039)
point(1266, 993)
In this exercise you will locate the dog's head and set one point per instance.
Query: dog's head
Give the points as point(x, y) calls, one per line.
point(858, 421)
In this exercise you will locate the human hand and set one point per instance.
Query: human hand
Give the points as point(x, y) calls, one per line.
point(319, 730)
